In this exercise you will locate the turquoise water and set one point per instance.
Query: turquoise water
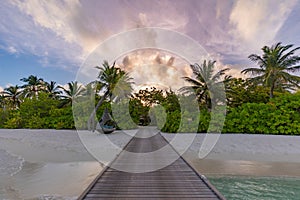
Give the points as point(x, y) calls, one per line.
point(262, 188)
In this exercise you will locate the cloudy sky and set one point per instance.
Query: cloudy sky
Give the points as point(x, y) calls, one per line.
point(51, 39)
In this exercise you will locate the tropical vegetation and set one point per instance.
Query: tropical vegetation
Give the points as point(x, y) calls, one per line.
point(275, 66)
point(267, 102)
point(114, 82)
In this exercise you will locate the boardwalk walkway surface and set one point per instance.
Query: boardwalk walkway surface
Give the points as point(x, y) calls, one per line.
point(177, 180)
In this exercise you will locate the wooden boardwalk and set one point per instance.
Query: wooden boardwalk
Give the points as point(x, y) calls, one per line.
point(175, 181)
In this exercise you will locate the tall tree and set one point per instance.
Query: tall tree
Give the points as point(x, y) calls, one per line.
point(114, 83)
point(52, 89)
point(149, 97)
point(275, 67)
point(143, 100)
point(12, 94)
point(2, 100)
point(32, 86)
point(71, 93)
point(206, 82)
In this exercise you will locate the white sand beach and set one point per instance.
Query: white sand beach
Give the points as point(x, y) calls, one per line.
point(47, 164)
point(273, 148)
point(246, 154)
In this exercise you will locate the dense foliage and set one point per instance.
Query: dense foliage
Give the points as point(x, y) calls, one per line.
point(264, 104)
point(281, 115)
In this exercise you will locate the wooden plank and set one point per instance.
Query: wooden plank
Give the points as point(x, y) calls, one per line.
point(175, 181)
point(157, 196)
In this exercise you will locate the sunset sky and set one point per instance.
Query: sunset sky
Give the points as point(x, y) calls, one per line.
point(50, 39)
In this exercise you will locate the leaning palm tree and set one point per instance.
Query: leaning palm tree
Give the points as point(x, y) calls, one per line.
point(275, 66)
point(13, 94)
point(205, 83)
point(32, 86)
point(52, 89)
point(71, 93)
point(114, 82)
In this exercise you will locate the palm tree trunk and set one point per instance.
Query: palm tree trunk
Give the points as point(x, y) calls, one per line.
point(272, 91)
point(91, 121)
point(14, 102)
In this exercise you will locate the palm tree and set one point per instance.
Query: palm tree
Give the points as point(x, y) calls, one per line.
point(2, 100)
point(52, 89)
point(114, 82)
point(71, 93)
point(33, 86)
point(275, 66)
point(206, 83)
point(13, 93)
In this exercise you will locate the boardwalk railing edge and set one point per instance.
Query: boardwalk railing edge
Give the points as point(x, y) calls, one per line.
point(85, 192)
point(202, 177)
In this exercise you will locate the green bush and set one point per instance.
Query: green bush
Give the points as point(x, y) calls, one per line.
point(280, 116)
point(158, 116)
point(41, 112)
point(62, 118)
point(172, 122)
point(81, 113)
point(204, 120)
point(35, 111)
point(14, 120)
point(121, 115)
point(4, 116)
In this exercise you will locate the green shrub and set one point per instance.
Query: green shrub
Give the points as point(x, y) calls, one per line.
point(4, 116)
point(35, 111)
point(62, 118)
point(14, 120)
point(172, 122)
point(121, 115)
point(280, 116)
point(158, 116)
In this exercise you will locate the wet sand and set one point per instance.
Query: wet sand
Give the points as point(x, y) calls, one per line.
point(246, 155)
point(49, 180)
point(54, 164)
point(244, 168)
point(46, 164)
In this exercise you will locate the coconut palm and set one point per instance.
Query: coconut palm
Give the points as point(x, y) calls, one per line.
point(114, 82)
point(33, 86)
point(275, 66)
point(12, 94)
point(71, 93)
point(52, 89)
point(206, 83)
point(2, 100)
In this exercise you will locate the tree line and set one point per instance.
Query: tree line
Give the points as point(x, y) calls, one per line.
point(266, 102)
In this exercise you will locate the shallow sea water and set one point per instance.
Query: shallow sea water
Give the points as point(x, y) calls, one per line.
point(54, 165)
point(262, 188)
point(48, 181)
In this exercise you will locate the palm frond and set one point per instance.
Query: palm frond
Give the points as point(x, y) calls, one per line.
point(255, 58)
point(253, 71)
point(220, 73)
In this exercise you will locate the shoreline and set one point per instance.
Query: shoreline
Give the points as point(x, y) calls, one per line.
point(48, 164)
point(210, 167)
point(245, 147)
point(245, 155)
point(46, 157)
